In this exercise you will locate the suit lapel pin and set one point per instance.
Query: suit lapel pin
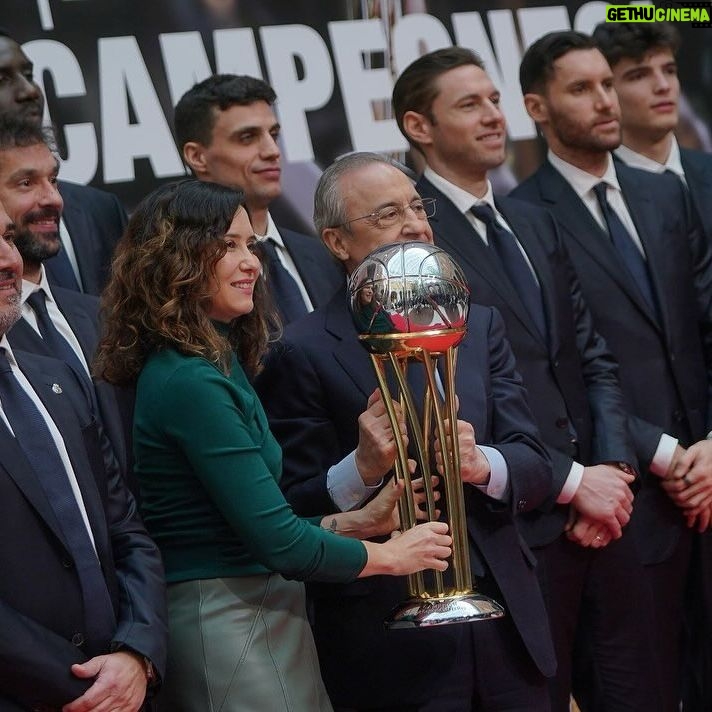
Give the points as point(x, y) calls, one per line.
point(56, 388)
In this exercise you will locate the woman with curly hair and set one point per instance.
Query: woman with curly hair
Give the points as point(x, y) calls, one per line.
point(186, 322)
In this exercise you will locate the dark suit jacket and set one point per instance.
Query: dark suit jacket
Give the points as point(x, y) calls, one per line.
point(95, 221)
point(315, 386)
point(571, 377)
point(665, 368)
point(698, 173)
point(40, 598)
point(320, 274)
point(115, 406)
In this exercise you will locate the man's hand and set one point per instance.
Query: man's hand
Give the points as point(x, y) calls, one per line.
point(119, 684)
point(689, 480)
point(474, 466)
point(376, 450)
point(604, 495)
point(587, 532)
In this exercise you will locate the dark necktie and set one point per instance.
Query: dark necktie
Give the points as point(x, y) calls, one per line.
point(627, 249)
point(35, 440)
point(60, 272)
point(56, 343)
point(282, 286)
point(506, 249)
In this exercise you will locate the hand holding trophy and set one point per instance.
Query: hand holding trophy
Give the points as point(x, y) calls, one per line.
point(410, 304)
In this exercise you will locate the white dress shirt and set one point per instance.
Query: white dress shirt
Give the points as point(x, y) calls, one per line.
point(638, 160)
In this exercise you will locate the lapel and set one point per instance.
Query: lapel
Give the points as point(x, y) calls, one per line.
point(62, 413)
point(536, 253)
point(310, 269)
point(576, 219)
point(80, 233)
point(78, 319)
point(459, 238)
point(698, 172)
point(348, 352)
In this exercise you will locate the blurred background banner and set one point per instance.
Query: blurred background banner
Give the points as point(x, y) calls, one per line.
point(112, 70)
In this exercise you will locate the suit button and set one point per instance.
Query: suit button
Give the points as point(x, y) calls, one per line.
point(677, 415)
point(521, 504)
point(555, 364)
point(78, 640)
point(562, 423)
point(67, 563)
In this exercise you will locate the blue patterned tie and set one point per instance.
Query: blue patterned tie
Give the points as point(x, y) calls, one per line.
point(57, 344)
point(281, 284)
point(510, 257)
point(627, 249)
point(36, 442)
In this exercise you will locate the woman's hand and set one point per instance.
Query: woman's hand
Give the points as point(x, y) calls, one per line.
point(425, 546)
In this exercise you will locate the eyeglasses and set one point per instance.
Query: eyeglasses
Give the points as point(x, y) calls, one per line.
point(394, 214)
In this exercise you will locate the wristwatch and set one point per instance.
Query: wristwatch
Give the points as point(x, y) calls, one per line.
point(625, 467)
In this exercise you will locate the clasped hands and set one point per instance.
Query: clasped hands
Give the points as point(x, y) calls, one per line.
point(688, 483)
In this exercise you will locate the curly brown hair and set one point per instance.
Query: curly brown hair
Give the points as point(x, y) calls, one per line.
point(161, 285)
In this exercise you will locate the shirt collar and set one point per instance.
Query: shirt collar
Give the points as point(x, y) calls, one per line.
point(272, 232)
point(30, 287)
point(5, 344)
point(638, 160)
point(581, 181)
point(462, 200)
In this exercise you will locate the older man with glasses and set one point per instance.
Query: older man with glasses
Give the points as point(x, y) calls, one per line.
point(315, 387)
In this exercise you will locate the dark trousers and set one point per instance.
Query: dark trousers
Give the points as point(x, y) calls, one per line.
point(601, 615)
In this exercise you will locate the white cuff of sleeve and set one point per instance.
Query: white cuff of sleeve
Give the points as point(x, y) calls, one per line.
point(497, 486)
point(345, 486)
point(573, 480)
point(662, 458)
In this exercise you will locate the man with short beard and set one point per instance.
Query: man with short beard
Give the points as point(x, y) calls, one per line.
point(82, 592)
point(55, 321)
point(646, 274)
point(94, 219)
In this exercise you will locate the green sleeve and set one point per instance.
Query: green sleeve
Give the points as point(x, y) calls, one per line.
point(200, 410)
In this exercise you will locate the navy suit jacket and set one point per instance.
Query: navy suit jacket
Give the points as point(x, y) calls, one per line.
point(571, 377)
point(41, 612)
point(698, 173)
point(314, 387)
point(115, 405)
point(320, 274)
point(665, 368)
point(95, 221)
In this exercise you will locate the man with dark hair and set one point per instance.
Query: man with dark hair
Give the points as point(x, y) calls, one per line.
point(646, 273)
point(642, 57)
point(55, 321)
point(512, 254)
point(93, 220)
point(82, 593)
point(314, 387)
point(227, 132)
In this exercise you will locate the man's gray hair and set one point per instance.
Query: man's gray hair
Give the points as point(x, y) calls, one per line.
point(328, 198)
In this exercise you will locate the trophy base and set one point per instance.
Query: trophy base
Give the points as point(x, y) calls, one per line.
point(426, 612)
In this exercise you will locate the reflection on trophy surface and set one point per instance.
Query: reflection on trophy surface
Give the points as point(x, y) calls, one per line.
point(410, 304)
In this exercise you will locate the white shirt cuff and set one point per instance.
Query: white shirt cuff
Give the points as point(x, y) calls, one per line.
point(345, 486)
point(498, 484)
point(573, 480)
point(664, 453)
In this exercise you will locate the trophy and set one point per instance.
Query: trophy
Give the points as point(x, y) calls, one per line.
point(410, 303)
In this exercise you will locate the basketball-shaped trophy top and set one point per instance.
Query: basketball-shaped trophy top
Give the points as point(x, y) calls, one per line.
point(407, 297)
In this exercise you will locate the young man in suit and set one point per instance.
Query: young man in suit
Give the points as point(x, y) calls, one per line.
point(228, 133)
point(54, 321)
point(82, 592)
point(646, 274)
point(316, 385)
point(642, 58)
point(448, 109)
point(93, 220)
